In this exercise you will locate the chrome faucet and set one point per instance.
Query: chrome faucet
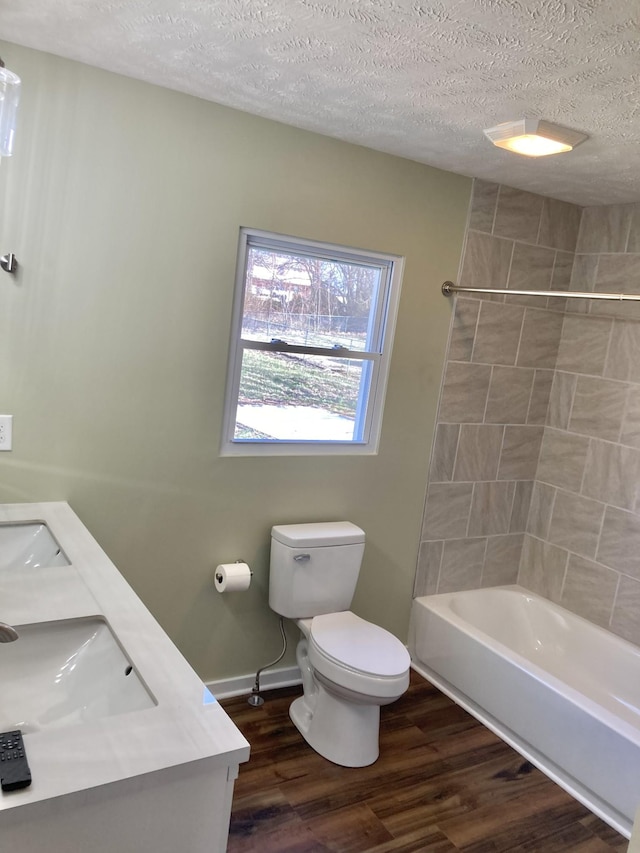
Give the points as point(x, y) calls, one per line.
point(7, 633)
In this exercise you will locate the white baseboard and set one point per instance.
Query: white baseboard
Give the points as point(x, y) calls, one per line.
point(240, 685)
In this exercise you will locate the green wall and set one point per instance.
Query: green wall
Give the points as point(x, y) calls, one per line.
point(123, 204)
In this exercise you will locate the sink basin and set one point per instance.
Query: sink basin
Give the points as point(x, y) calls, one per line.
point(29, 545)
point(65, 673)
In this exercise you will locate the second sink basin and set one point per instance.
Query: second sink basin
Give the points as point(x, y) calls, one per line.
point(65, 673)
point(29, 546)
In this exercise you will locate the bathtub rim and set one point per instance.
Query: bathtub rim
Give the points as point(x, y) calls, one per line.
point(573, 694)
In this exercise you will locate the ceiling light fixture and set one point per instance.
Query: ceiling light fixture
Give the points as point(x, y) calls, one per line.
point(534, 137)
point(9, 97)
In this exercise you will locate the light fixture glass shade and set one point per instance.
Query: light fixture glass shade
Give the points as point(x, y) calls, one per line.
point(9, 97)
point(534, 137)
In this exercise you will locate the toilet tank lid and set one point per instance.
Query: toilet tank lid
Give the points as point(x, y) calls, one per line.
point(318, 534)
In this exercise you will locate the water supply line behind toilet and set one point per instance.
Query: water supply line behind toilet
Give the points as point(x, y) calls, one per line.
point(256, 700)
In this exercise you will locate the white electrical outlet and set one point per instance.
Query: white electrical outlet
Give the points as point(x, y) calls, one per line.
point(6, 431)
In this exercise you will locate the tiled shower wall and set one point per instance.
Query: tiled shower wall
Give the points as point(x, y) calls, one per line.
point(583, 543)
point(536, 462)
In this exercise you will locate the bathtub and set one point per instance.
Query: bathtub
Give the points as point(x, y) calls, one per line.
point(560, 690)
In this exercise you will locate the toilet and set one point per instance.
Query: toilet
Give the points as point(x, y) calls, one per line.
point(349, 667)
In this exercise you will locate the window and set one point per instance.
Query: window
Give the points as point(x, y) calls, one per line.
point(310, 346)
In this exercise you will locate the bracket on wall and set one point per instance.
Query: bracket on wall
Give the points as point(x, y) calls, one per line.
point(9, 262)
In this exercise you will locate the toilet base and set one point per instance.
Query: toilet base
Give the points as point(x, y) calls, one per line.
point(345, 733)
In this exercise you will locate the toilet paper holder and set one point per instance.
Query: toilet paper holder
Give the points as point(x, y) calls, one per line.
point(219, 577)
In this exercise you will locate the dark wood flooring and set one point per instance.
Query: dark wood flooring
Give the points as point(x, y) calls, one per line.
point(443, 783)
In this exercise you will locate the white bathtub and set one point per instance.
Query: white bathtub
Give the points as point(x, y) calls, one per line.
point(560, 690)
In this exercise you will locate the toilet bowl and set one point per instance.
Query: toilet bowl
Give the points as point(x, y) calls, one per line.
point(349, 666)
point(349, 669)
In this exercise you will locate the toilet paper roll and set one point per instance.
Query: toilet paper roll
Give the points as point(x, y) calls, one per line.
point(232, 577)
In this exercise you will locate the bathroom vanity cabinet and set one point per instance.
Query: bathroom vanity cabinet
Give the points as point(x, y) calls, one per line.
point(127, 748)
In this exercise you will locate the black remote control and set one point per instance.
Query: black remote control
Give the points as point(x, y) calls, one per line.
point(14, 768)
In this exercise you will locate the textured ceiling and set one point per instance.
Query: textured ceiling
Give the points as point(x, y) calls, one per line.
point(413, 78)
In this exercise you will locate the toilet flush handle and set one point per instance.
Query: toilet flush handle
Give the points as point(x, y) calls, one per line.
point(302, 558)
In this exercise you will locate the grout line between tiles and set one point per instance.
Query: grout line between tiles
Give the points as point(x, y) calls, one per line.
point(486, 402)
point(484, 559)
point(584, 469)
point(564, 577)
point(531, 392)
point(513, 250)
point(495, 210)
point(540, 218)
point(549, 523)
point(605, 361)
point(625, 412)
point(573, 400)
point(615, 601)
point(524, 314)
point(473, 494)
point(628, 235)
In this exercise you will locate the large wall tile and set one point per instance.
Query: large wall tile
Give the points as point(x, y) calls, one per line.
point(589, 590)
point(498, 333)
point(518, 214)
point(444, 453)
point(509, 395)
point(520, 452)
point(486, 261)
point(491, 508)
point(620, 542)
point(447, 510)
point(584, 344)
point(562, 459)
point(462, 562)
point(531, 269)
point(428, 571)
point(623, 358)
point(542, 568)
point(576, 523)
point(502, 560)
point(612, 474)
point(633, 243)
point(483, 205)
point(604, 229)
point(562, 270)
point(521, 506)
point(463, 331)
point(542, 499)
point(598, 407)
point(478, 452)
point(559, 225)
point(583, 278)
point(561, 279)
point(464, 393)
point(540, 338)
point(561, 399)
point(618, 274)
point(540, 394)
point(631, 424)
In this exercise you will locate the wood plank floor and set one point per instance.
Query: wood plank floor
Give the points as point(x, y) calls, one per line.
point(443, 783)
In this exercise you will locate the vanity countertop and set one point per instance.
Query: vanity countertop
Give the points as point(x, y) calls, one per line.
point(186, 725)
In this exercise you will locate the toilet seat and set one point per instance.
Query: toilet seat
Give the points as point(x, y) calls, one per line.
point(358, 656)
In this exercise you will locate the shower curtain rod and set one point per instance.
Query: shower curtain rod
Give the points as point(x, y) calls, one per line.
point(449, 288)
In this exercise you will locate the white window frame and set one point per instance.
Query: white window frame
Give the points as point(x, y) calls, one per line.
point(378, 356)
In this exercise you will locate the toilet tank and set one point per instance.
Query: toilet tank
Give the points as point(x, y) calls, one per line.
point(314, 567)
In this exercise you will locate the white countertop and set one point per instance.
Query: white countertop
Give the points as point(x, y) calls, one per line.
point(186, 725)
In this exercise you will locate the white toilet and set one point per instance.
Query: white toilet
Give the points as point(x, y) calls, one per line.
point(349, 666)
